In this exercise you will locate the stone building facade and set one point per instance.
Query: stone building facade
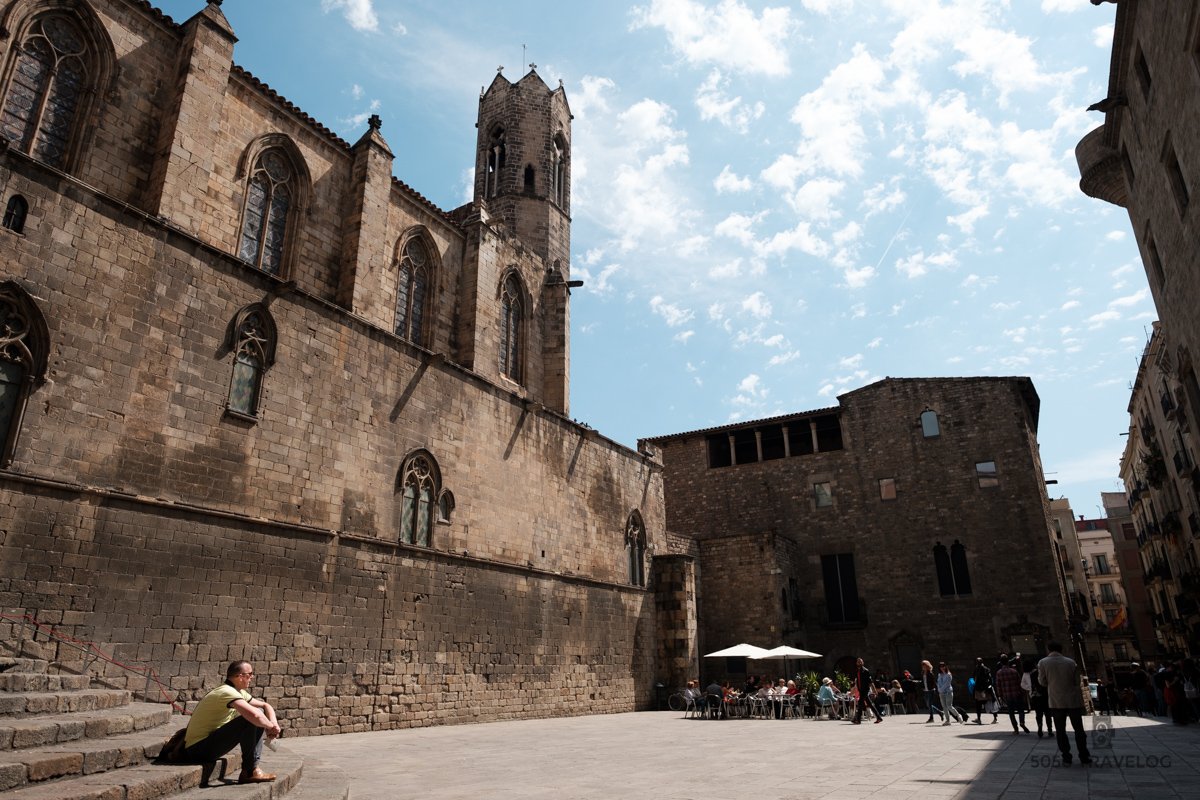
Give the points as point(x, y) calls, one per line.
point(910, 521)
point(262, 400)
point(1146, 158)
point(1159, 471)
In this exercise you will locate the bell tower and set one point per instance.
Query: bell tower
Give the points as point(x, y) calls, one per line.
point(523, 164)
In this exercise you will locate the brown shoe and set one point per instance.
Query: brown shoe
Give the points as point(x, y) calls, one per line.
point(257, 776)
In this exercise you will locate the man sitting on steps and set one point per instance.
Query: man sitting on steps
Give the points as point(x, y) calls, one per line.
point(229, 716)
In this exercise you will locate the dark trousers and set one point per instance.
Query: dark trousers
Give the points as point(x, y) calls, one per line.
point(1016, 705)
point(858, 708)
point(1060, 716)
point(236, 732)
point(931, 700)
point(1041, 712)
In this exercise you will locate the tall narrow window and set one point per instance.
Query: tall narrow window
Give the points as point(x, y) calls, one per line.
point(929, 424)
point(887, 488)
point(823, 494)
point(511, 329)
point(419, 487)
point(494, 161)
point(842, 604)
point(269, 202)
point(15, 213)
point(253, 353)
point(558, 171)
point(954, 579)
point(1175, 177)
point(635, 549)
point(412, 284)
point(24, 346)
point(47, 88)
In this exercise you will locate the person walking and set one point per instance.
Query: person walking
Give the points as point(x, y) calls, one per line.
point(1139, 681)
point(929, 685)
point(982, 689)
point(945, 687)
point(1060, 675)
point(1037, 702)
point(1008, 687)
point(865, 687)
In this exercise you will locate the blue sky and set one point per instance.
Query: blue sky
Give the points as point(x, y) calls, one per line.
point(775, 203)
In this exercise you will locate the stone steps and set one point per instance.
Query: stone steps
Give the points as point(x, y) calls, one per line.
point(61, 740)
point(84, 757)
point(41, 682)
point(66, 701)
point(20, 733)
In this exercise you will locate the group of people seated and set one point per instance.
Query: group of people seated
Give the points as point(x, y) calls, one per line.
point(777, 696)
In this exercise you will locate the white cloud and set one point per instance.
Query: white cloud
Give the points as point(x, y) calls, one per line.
point(1130, 300)
point(731, 112)
point(757, 305)
point(1103, 318)
point(727, 181)
point(874, 343)
point(833, 138)
point(913, 266)
point(1102, 36)
point(974, 281)
point(730, 269)
point(399, 29)
point(683, 336)
point(728, 34)
point(851, 362)
point(851, 232)
point(738, 227)
point(672, 314)
point(359, 13)
point(827, 6)
point(965, 221)
point(1115, 236)
point(858, 278)
point(814, 200)
point(1070, 304)
point(881, 198)
point(783, 358)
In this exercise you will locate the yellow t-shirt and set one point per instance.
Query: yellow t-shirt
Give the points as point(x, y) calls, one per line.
point(213, 712)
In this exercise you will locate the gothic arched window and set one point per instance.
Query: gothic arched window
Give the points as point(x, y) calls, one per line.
point(512, 328)
point(24, 346)
point(253, 345)
point(419, 486)
point(48, 83)
point(635, 549)
point(15, 213)
point(494, 159)
point(953, 577)
point(270, 199)
point(558, 171)
point(412, 286)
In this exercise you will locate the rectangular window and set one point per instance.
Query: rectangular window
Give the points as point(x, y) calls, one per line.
point(772, 442)
point(1142, 69)
point(1128, 531)
point(1179, 187)
point(745, 447)
point(841, 589)
point(829, 433)
point(1109, 616)
point(823, 492)
point(797, 608)
point(1107, 595)
point(1156, 264)
point(1101, 562)
point(887, 488)
point(800, 439)
point(985, 471)
point(1120, 651)
point(719, 454)
point(1127, 166)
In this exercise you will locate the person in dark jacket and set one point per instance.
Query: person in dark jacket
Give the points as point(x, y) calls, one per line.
point(1037, 701)
point(983, 690)
point(866, 688)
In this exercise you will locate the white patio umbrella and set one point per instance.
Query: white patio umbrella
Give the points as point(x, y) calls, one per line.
point(739, 651)
point(784, 652)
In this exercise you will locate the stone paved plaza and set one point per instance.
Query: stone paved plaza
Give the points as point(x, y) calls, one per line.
point(660, 755)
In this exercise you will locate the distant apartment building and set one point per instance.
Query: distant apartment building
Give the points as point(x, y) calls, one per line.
point(1126, 555)
point(1163, 485)
point(909, 521)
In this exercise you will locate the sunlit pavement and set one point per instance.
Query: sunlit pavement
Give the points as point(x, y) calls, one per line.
point(661, 755)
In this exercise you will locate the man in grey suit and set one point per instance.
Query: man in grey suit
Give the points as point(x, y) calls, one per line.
point(1060, 675)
